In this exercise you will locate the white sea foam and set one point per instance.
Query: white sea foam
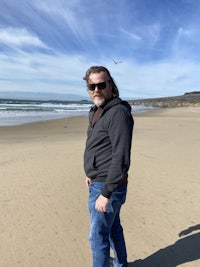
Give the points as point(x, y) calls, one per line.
point(21, 113)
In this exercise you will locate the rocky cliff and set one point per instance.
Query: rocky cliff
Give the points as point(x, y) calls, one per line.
point(191, 99)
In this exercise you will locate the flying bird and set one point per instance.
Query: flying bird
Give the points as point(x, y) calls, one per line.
point(116, 62)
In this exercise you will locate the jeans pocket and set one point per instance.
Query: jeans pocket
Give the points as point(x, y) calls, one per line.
point(119, 196)
point(94, 193)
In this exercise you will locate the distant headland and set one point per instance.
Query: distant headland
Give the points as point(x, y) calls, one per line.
point(191, 99)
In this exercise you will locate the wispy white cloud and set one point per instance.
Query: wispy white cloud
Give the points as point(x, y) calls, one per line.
point(39, 72)
point(185, 32)
point(19, 37)
point(133, 36)
point(69, 15)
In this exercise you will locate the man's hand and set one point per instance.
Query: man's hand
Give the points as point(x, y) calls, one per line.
point(101, 203)
point(87, 182)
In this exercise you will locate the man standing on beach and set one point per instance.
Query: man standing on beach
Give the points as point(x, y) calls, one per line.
point(106, 164)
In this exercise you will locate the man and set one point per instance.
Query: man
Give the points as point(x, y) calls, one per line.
point(106, 164)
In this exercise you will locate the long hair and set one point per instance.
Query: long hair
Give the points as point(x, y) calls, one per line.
point(97, 69)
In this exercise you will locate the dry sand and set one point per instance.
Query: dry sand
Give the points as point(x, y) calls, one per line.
point(44, 219)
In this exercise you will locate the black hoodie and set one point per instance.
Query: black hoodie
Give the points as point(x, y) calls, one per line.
point(108, 145)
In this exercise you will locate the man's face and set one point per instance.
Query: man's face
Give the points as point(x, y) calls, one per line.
point(100, 96)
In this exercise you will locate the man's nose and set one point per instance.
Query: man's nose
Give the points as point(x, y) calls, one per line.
point(96, 88)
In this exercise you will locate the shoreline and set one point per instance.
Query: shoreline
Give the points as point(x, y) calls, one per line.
point(44, 216)
point(18, 112)
point(136, 113)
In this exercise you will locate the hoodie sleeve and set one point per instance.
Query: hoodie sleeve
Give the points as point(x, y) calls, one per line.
point(120, 133)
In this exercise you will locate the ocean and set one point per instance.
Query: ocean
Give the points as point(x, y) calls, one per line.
point(17, 112)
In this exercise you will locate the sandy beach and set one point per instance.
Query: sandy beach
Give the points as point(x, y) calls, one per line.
point(44, 221)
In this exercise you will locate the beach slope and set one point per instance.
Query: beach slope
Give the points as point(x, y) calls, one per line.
point(44, 219)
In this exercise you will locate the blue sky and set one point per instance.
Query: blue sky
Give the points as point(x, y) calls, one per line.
point(46, 46)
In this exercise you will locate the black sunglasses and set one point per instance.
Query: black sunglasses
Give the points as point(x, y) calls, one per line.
point(100, 86)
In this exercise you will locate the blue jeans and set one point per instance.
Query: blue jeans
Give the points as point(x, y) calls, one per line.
point(106, 231)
